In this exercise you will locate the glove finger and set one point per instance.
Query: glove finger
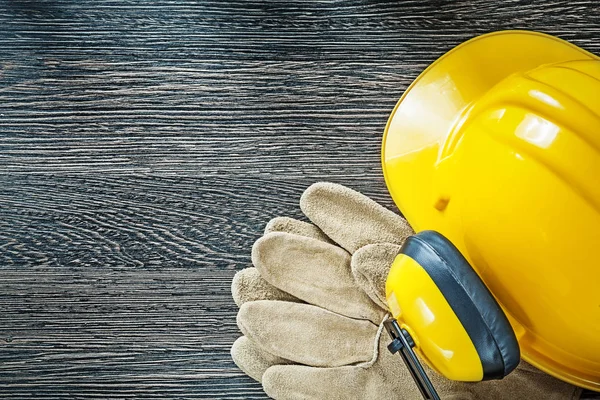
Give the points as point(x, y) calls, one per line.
point(342, 383)
point(251, 359)
point(291, 225)
point(384, 376)
point(307, 334)
point(370, 267)
point(304, 382)
point(314, 271)
point(350, 218)
point(247, 285)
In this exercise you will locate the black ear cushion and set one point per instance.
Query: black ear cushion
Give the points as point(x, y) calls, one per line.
point(471, 301)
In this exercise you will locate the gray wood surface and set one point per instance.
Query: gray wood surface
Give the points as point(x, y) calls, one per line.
point(144, 145)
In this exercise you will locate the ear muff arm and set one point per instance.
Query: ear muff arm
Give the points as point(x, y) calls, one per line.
point(403, 343)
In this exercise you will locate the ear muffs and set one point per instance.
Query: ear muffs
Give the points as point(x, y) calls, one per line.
point(442, 310)
point(469, 299)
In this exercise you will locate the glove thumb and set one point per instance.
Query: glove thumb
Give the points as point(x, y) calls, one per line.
point(370, 266)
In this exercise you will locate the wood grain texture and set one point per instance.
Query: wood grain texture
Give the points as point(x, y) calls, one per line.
point(144, 145)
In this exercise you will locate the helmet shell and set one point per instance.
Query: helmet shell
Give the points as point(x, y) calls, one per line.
point(497, 146)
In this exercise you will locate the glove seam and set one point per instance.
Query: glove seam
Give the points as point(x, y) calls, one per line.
point(380, 330)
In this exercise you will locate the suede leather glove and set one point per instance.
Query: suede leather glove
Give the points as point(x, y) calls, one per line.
point(311, 310)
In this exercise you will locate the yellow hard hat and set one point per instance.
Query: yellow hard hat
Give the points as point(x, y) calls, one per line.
point(496, 146)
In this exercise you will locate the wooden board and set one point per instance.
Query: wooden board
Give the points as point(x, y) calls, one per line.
point(145, 144)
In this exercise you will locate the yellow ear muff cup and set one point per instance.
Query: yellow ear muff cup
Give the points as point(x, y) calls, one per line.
point(471, 301)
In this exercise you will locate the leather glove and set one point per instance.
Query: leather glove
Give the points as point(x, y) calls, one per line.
point(311, 310)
